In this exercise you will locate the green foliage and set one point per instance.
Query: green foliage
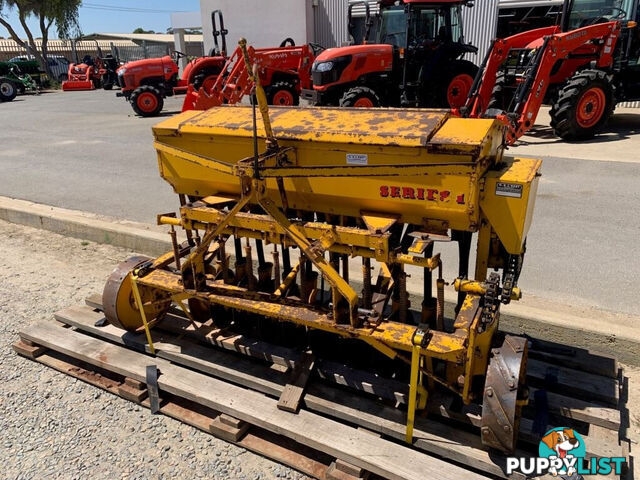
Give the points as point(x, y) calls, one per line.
point(142, 30)
point(63, 14)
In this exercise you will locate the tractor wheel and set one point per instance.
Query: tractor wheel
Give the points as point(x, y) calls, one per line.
point(360, 97)
point(282, 93)
point(8, 90)
point(147, 101)
point(502, 93)
point(456, 84)
point(106, 84)
point(583, 105)
point(206, 78)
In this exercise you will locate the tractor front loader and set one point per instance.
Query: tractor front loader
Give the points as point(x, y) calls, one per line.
point(284, 71)
point(582, 68)
point(337, 184)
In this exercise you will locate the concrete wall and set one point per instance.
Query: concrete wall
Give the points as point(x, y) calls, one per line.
point(264, 23)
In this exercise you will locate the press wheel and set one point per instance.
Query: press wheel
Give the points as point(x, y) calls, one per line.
point(118, 302)
point(505, 393)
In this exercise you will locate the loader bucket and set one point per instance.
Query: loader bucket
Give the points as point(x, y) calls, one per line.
point(71, 85)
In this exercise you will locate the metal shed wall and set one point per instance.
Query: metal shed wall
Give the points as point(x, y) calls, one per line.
point(480, 23)
point(330, 23)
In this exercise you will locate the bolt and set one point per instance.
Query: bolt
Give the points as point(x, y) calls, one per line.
point(507, 428)
point(512, 384)
point(489, 392)
point(485, 431)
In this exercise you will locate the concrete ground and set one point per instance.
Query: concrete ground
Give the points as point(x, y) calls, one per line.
point(88, 151)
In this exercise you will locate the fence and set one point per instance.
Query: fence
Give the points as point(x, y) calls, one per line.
point(126, 50)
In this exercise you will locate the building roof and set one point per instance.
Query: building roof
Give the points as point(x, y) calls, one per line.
point(148, 37)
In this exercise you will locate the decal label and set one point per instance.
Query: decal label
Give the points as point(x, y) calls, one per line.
point(426, 194)
point(357, 159)
point(509, 190)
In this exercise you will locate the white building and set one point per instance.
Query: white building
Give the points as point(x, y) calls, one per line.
point(266, 23)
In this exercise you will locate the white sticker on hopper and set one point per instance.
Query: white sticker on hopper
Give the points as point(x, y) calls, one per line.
point(357, 159)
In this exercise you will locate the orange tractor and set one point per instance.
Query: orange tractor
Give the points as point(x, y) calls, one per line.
point(146, 83)
point(582, 68)
point(92, 72)
point(414, 61)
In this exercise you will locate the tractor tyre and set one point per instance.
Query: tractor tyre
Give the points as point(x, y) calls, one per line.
point(8, 90)
point(283, 93)
point(456, 84)
point(106, 84)
point(147, 101)
point(583, 105)
point(360, 97)
point(206, 78)
point(502, 93)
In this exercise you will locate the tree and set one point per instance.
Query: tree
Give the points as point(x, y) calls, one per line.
point(142, 30)
point(63, 14)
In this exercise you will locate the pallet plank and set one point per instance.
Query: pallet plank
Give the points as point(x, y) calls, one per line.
point(587, 385)
point(263, 442)
point(430, 436)
point(291, 395)
point(248, 373)
point(578, 409)
point(376, 455)
point(574, 357)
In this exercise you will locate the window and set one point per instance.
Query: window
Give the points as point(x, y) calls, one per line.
point(585, 12)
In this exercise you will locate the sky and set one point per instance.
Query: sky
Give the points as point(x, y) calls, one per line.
point(116, 16)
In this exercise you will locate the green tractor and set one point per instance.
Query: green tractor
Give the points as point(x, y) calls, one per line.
point(17, 72)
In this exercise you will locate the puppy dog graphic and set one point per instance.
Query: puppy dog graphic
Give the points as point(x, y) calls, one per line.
point(561, 442)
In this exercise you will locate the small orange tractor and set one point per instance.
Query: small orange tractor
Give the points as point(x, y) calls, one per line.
point(283, 72)
point(146, 83)
point(582, 68)
point(92, 72)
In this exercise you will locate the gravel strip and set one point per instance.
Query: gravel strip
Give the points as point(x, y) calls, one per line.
point(54, 426)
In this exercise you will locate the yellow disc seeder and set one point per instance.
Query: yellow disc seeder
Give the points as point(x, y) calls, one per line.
point(320, 187)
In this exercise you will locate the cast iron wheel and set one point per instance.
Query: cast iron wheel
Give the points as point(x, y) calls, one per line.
point(283, 93)
point(583, 105)
point(505, 392)
point(120, 308)
point(360, 97)
point(147, 101)
point(8, 90)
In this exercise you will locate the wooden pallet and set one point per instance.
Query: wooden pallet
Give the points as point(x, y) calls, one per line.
point(206, 373)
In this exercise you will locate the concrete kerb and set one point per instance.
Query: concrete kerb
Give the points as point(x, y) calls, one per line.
point(595, 331)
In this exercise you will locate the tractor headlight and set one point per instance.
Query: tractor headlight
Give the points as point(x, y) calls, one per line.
point(329, 71)
point(324, 67)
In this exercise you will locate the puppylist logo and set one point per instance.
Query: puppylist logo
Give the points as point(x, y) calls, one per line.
point(562, 452)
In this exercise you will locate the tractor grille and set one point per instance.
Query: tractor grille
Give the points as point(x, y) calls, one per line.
point(121, 81)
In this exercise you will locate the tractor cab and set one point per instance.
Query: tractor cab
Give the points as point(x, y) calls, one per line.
point(582, 13)
point(411, 56)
